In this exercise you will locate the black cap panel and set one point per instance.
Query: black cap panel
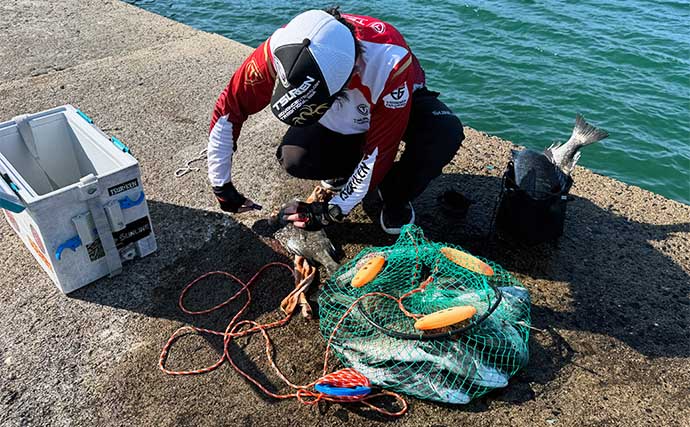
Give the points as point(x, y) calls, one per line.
point(300, 96)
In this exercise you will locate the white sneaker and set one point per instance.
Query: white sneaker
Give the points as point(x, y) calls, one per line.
point(393, 220)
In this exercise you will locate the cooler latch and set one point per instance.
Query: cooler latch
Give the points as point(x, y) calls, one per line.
point(90, 192)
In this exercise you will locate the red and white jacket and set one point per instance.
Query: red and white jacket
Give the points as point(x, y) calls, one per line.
point(378, 102)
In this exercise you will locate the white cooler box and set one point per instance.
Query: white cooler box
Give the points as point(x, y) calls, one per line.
point(73, 195)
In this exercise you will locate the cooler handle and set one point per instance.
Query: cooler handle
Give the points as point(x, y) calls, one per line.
point(72, 244)
point(8, 199)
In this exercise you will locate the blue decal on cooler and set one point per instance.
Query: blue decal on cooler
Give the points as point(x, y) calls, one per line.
point(126, 202)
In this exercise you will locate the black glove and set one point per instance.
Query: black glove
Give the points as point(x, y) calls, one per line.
point(310, 216)
point(231, 200)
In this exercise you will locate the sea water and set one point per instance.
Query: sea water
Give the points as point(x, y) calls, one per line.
point(522, 69)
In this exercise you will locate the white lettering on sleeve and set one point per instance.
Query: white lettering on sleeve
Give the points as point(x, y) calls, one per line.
point(358, 184)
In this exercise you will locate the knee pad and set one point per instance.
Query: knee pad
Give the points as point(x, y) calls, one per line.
point(292, 159)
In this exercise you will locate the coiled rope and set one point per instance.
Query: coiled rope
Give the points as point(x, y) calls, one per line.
point(303, 393)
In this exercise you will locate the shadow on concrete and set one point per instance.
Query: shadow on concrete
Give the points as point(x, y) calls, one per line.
point(620, 285)
point(193, 242)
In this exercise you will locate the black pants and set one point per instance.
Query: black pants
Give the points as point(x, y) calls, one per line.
point(432, 138)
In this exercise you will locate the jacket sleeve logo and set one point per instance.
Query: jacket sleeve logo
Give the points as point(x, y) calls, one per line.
point(252, 74)
point(379, 27)
point(397, 98)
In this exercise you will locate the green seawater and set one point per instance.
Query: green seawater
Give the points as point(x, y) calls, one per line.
point(522, 69)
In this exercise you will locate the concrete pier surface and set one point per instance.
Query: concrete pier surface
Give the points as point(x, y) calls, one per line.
point(611, 298)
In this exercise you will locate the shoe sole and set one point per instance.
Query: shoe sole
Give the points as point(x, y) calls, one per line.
point(395, 231)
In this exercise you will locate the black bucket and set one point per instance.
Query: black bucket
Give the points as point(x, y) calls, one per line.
point(525, 218)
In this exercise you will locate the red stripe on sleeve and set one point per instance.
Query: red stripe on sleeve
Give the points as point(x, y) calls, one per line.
point(248, 91)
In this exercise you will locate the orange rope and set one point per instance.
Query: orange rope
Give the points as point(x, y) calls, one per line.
point(343, 377)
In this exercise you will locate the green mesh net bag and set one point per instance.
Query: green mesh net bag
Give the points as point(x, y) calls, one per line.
point(375, 328)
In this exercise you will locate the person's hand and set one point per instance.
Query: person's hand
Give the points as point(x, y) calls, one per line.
point(231, 200)
point(310, 216)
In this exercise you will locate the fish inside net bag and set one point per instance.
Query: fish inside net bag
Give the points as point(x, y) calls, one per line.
point(375, 327)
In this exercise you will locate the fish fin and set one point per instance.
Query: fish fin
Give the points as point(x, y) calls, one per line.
point(554, 146)
point(572, 164)
point(549, 152)
point(568, 167)
point(585, 133)
point(328, 259)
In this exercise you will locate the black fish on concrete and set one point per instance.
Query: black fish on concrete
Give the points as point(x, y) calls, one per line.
point(313, 245)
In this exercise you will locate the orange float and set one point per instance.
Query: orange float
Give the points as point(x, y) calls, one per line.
point(465, 260)
point(443, 318)
point(368, 271)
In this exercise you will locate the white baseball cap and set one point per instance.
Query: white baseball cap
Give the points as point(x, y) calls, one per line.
point(313, 55)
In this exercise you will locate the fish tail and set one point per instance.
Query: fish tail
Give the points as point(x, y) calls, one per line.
point(586, 134)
